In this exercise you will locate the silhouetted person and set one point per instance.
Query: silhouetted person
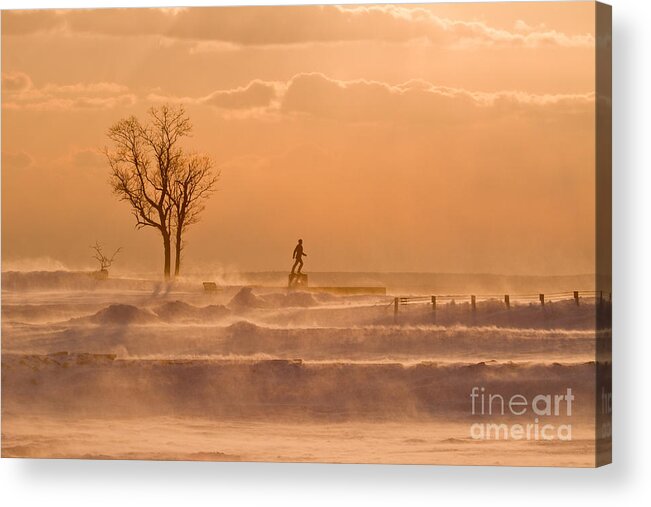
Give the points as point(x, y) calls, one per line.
point(298, 255)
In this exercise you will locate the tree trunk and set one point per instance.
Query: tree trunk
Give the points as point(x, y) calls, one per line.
point(168, 255)
point(177, 253)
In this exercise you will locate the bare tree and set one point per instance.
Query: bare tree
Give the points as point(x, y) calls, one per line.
point(143, 159)
point(105, 262)
point(193, 183)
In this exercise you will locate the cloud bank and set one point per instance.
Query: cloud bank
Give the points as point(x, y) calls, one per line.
point(415, 101)
point(286, 25)
point(311, 94)
point(20, 93)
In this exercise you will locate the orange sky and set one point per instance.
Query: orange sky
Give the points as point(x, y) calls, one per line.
point(443, 138)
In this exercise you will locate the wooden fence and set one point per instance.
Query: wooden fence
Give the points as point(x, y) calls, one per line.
point(507, 299)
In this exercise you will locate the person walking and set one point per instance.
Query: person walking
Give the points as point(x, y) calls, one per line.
point(298, 256)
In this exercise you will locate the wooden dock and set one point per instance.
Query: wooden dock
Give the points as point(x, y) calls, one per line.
point(299, 281)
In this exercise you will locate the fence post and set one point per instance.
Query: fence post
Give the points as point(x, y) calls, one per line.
point(396, 302)
point(576, 297)
point(507, 300)
point(473, 302)
point(433, 303)
point(542, 299)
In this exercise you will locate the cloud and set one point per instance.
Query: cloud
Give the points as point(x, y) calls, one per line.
point(17, 22)
point(254, 98)
point(255, 94)
point(285, 25)
point(404, 23)
point(17, 160)
point(19, 93)
point(13, 82)
point(87, 158)
point(418, 101)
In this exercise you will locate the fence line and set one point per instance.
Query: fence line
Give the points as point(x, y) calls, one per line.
point(542, 298)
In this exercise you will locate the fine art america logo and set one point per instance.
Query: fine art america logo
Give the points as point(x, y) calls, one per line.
point(546, 410)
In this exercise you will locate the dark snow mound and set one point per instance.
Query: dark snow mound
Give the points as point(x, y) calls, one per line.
point(178, 311)
point(246, 299)
point(118, 314)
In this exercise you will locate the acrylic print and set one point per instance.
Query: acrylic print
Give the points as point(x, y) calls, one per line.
point(346, 234)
